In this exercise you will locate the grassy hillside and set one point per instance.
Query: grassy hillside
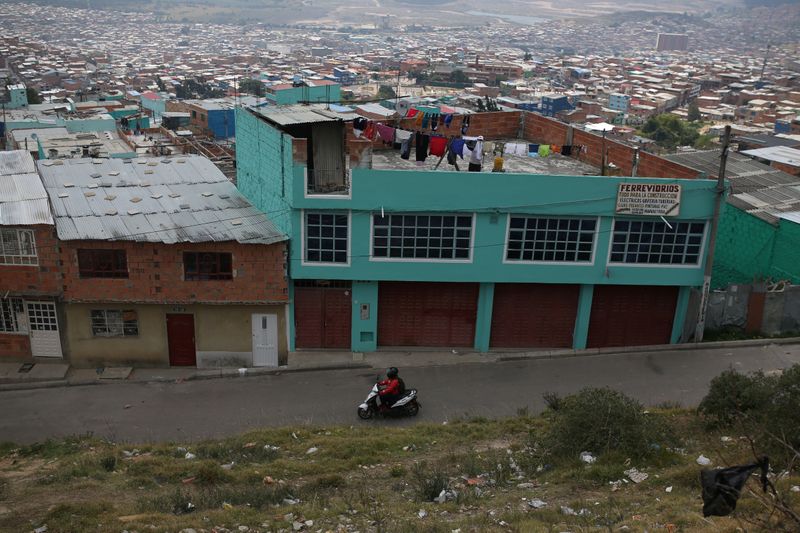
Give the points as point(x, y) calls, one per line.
point(372, 476)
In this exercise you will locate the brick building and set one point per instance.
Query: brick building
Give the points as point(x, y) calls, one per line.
point(29, 276)
point(164, 262)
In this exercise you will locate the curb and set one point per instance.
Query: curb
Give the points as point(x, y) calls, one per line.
point(34, 385)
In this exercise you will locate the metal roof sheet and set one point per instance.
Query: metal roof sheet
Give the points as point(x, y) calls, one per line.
point(778, 154)
point(23, 200)
point(178, 199)
point(301, 114)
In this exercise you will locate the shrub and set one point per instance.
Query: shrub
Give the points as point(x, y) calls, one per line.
point(109, 463)
point(732, 395)
point(428, 482)
point(604, 420)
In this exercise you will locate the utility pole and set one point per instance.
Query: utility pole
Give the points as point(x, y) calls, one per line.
point(712, 241)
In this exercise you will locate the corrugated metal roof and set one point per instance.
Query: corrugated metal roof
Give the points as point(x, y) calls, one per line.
point(177, 199)
point(287, 115)
point(779, 154)
point(23, 200)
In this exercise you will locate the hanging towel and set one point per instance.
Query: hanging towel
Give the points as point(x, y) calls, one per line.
point(412, 113)
point(369, 131)
point(438, 145)
point(566, 149)
point(457, 147)
point(448, 118)
point(533, 148)
point(544, 150)
point(434, 122)
point(422, 141)
point(451, 153)
point(359, 124)
point(464, 124)
point(401, 135)
point(418, 120)
point(425, 118)
point(386, 133)
point(405, 147)
point(556, 149)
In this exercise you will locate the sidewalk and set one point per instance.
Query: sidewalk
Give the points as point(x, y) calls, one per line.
point(50, 374)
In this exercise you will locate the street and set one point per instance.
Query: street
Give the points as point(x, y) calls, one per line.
point(195, 410)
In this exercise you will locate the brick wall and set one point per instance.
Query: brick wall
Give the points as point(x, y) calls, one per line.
point(41, 279)
point(789, 169)
point(155, 274)
point(14, 347)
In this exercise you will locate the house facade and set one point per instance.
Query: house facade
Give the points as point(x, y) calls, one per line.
point(30, 281)
point(163, 262)
point(400, 257)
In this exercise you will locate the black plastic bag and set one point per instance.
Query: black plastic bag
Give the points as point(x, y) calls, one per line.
point(723, 486)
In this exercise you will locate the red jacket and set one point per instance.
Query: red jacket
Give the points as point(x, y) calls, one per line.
point(391, 386)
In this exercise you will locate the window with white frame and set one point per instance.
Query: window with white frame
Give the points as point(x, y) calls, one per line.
point(326, 237)
point(656, 242)
point(568, 240)
point(17, 247)
point(11, 315)
point(414, 236)
point(114, 323)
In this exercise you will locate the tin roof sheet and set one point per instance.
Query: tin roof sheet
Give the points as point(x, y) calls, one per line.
point(23, 200)
point(178, 199)
point(301, 114)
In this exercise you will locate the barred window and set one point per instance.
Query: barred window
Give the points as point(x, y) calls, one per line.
point(403, 236)
point(655, 242)
point(11, 314)
point(326, 237)
point(17, 247)
point(200, 266)
point(569, 240)
point(114, 323)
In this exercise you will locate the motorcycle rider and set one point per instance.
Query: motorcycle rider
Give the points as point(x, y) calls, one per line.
point(390, 389)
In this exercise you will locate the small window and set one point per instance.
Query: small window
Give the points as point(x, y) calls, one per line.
point(11, 315)
point(114, 323)
point(17, 247)
point(103, 263)
point(656, 242)
point(438, 236)
point(194, 114)
point(559, 240)
point(326, 237)
point(202, 266)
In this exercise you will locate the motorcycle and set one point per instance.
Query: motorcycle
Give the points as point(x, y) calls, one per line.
point(406, 405)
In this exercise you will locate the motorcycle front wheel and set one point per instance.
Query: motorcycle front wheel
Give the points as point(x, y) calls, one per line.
point(365, 414)
point(413, 408)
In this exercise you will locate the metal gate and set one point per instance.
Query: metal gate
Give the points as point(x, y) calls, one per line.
point(427, 314)
point(531, 315)
point(631, 315)
point(322, 315)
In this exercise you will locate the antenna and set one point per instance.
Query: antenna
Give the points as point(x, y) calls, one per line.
point(764, 65)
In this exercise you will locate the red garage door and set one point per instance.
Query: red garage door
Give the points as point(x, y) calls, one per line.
point(531, 315)
point(322, 316)
point(427, 314)
point(631, 315)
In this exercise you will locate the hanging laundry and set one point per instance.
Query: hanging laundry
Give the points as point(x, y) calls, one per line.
point(359, 125)
point(412, 113)
point(544, 150)
point(476, 157)
point(418, 120)
point(422, 140)
point(452, 154)
point(401, 135)
point(438, 145)
point(566, 149)
point(516, 149)
point(386, 133)
point(464, 124)
point(554, 148)
point(448, 118)
point(457, 147)
point(405, 147)
point(370, 131)
point(434, 122)
point(533, 148)
point(425, 118)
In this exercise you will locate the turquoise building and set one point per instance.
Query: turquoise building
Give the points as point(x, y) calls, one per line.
point(315, 91)
point(405, 257)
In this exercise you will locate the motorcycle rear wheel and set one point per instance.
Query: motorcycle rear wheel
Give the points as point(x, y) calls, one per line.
point(365, 414)
point(413, 408)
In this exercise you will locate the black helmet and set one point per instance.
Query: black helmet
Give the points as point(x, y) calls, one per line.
point(391, 372)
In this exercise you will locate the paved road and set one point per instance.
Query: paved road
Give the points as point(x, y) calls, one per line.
point(195, 410)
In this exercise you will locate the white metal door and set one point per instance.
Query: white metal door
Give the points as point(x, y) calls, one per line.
point(265, 340)
point(43, 325)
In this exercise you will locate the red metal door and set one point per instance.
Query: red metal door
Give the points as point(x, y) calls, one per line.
point(531, 315)
point(322, 317)
point(180, 339)
point(427, 314)
point(631, 315)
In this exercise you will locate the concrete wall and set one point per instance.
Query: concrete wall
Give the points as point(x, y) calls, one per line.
point(223, 335)
point(755, 309)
